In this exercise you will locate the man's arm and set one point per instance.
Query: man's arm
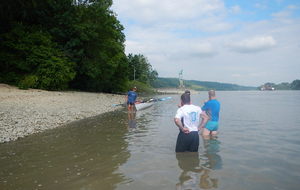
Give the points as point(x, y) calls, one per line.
point(204, 107)
point(180, 125)
point(205, 118)
point(126, 97)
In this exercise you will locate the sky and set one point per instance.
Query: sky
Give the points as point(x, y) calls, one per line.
point(245, 42)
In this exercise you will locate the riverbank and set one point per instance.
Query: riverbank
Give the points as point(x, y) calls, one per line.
point(174, 91)
point(25, 112)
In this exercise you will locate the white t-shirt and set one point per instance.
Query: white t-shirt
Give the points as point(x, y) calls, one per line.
point(191, 116)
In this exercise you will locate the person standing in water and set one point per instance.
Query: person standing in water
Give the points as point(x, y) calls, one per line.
point(187, 119)
point(212, 109)
point(131, 98)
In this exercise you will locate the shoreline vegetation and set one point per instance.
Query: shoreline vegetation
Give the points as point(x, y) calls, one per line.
point(25, 112)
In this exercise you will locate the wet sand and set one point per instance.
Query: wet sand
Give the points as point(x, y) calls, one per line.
point(24, 112)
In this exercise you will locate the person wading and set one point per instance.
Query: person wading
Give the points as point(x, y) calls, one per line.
point(187, 119)
point(130, 99)
point(212, 109)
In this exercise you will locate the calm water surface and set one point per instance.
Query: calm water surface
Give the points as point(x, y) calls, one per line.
point(258, 148)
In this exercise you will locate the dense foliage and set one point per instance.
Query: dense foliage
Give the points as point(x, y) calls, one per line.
point(30, 59)
point(198, 85)
point(295, 85)
point(58, 44)
point(141, 70)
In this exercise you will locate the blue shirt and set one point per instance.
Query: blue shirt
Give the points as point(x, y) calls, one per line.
point(131, 96)
point(212, 108)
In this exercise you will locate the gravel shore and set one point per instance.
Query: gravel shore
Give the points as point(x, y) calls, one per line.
point(24, 112)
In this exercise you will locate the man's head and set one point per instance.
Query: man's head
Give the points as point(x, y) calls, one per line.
point(187, 92)
point(134, 88)
point(211, 94)
point(185, 98)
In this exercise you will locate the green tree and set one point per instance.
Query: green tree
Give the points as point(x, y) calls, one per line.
point(30, 58)
point(140, 69)
point(295, 85)
point(283, 86)
point(102, 42)
point(85, 32)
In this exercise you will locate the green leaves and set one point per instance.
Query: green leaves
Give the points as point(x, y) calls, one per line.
point(295, 85)
point(29, 81)
point(59, 44)
point(55, 73)
point(140, 69)
point(34, 59)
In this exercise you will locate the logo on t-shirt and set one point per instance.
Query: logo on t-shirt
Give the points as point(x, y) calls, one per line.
point(193, 116)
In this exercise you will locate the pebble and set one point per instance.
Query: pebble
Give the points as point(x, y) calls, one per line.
point(25, 112)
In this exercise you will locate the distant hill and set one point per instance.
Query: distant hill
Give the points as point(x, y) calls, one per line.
point(295, 85)
point(198, 85)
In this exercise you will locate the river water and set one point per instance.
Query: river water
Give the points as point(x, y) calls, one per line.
point(258, 147)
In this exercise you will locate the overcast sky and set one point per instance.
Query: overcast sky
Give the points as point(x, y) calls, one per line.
point(246, 42)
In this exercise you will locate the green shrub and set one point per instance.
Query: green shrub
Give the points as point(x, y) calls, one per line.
point(30, 59)
point(55, 74)
point(28, 82)
point(142, 88)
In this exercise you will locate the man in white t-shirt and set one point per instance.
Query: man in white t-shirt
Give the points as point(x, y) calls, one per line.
point(187, 119)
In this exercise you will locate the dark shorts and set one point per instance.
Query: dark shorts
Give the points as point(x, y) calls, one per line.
point(130, 103)
point(187, 142)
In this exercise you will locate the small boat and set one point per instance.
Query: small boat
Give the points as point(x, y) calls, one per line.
point(144, 105)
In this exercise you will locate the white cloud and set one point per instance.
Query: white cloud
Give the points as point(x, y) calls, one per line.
point(167, 10)
point(285, 13)
point(235, 9)
point(236, 75)
point(252, 45)
point(202, 50)
point(260, 6)
point(196, 35)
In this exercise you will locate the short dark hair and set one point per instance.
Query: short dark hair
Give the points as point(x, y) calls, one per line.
point(187, 91)
point(186, 98)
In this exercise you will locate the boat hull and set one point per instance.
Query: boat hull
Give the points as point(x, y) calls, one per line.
point(142, 106)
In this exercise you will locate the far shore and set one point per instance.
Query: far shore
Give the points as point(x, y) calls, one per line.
point(24, 112)
point(174, 91)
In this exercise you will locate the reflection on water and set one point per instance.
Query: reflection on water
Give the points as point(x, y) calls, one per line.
point(131, 120)
point(189, 163)
point(85, 155)
point(197, 168)
point(212, 161)
point(211, 153)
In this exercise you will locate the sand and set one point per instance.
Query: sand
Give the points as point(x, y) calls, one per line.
point(24, 112)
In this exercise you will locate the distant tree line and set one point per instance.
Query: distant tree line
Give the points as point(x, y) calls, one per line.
point(206, 85)
point(59, 44)
point(198, 85)
point(295, 85)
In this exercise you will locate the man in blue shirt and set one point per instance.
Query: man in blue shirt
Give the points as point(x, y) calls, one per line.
point(212, 109)
point(131, 98)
